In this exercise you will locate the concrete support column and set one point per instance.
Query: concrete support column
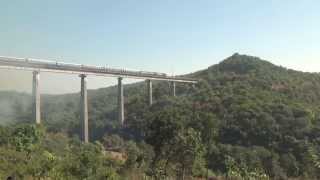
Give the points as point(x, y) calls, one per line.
point(149, 89)
point(84, 109)
point(173, 86)
point(120, 101)
point(36, 97)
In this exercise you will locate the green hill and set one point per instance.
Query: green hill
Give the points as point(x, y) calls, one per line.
point(250, 116)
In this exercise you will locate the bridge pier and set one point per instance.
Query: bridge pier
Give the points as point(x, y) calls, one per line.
point(120, 101)
point(149, 89)
point(173, 88)
point(36, 97)
point(84, 109)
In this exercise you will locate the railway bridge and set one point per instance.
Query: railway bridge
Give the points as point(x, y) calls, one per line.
point(37, 65)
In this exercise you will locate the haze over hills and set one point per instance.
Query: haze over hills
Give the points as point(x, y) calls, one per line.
point(263, 116)
point(249, 71)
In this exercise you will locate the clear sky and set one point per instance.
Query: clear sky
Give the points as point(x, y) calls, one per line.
point(172, 36)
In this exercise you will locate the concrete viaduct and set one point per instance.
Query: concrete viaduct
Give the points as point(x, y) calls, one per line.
point(37, 66)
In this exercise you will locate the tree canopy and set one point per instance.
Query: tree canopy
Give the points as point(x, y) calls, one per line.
point(245, 119)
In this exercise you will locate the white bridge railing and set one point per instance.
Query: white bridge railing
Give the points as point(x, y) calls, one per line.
point(55, 66)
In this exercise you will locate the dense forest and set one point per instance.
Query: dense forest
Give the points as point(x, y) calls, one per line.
point(245, 119)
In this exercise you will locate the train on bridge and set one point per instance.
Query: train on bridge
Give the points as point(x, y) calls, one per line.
point(83, 70)
point(55, 66)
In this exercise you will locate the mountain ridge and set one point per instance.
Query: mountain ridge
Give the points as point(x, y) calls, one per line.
point(256, 114)
point(240, 71)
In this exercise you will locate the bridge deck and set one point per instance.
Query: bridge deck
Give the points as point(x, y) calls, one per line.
point(60, 67)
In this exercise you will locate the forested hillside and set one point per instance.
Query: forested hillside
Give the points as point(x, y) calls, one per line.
point(245, 119)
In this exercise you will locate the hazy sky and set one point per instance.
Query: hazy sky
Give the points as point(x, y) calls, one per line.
point(172, 36)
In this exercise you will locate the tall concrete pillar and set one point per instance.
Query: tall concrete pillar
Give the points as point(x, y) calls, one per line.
point(120, 101)
point(36, 97)
point(149, 89)
point(173, 86)
point(84, 109)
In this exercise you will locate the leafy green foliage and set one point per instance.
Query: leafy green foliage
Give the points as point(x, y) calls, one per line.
point(246, 118)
